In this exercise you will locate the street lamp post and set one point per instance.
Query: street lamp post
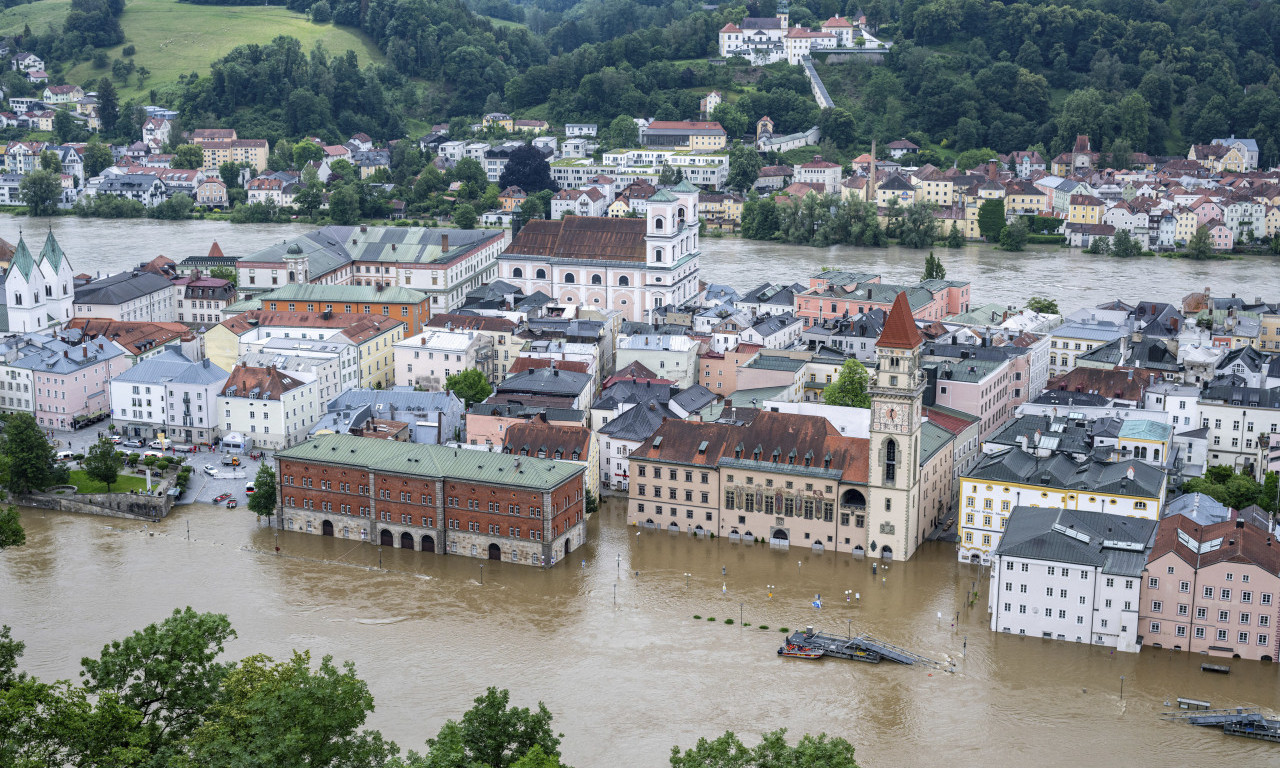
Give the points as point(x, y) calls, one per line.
point(740, 605)
point(482, 574)
point(1122, 687)
point(619, 565)
point(686, 579)
point(798, 564)
point(379, 557)
point(770, 587)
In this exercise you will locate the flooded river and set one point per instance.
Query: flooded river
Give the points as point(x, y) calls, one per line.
point(1074, 278)
point(628, 681)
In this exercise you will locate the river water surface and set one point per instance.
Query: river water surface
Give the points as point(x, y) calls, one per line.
point(627, 681)
point(1076, 279)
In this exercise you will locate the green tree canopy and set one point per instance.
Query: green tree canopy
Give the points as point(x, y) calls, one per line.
point(1200, 246)
point(730, 119)
point(12, 533)
point(933, 269)
point(30, 460)
point(623, 132)
point(188, 156)
point(850, 388)
point(1014, 236)
point(1043, 305)
point(955, 239)
point(464, 216)
point(493, 734)
point(919, 228)
point(41, 190)
point(97, 156)
point(224, 273)
point(527, 169)
point(103, 462)
point(344, 205)
point(991, 219)
point(773, 751)
point(744, 167)
point(263, 499)
point(306, 151)
point(469, 385)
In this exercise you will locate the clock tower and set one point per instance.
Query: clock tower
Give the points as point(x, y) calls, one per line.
point(893, 477)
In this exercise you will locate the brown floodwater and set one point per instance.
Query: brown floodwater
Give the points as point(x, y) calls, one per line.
point(633, 679)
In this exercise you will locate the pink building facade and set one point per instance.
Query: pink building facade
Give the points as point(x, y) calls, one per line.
point(1212, 589)
point(70, 380)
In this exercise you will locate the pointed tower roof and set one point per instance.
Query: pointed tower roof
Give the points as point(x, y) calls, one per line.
point(52, 252)
point(684, 186)
point(22, 261)
point(900, 331)
point(215, 252)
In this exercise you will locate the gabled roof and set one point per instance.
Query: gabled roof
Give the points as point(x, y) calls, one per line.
point(258, 383)
point(900, 331)
point(581, 237)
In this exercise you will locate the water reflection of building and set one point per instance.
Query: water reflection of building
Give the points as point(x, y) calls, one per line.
point(794, 479)
point(520, 509)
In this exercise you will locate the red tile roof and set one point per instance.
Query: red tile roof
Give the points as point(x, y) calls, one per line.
point(900, 331)
point(1242, 543)
point(522, 364)
point(137, 337)
point(258, 383)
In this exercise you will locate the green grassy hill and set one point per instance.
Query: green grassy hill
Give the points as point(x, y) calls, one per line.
point(39, 15)
point(175, 38)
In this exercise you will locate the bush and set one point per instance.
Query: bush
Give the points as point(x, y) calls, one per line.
point(1046, 239)
point(728, 621)
point(764, 626)
point(128, 50)
point(696, 616)
point(711, 618)
point(783, 630)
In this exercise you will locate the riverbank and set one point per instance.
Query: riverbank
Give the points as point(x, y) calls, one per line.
point(555, 635)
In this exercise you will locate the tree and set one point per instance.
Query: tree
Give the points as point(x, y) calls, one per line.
point(492, 734)
point(41, 190)
point(668, 176)
point(731, 119)
point(728, 751)
point(850, 388)
point(1014, 236)
point(49, 161)
point(933, 269)
point(288, 715)
point(470, 385)
point(12, 533)
point(321, 12)
point(469, 171)
point(108, 106)
point(919, 228)
point(955, 239)
point(1043, 306)
point(309, 199)
point(344, 205)
point(1201, 245)
point(65, 129)
point(31, 460)
point(464, 216)
point(527, 169)
point(103, 463)
point(229, 172)
point(187, 156)
point(306, 151)
point(744, 167)
point(224, 273)
point(168, 672)
point(623, 132)
point(991, 219)
point(263, 499)
point(1124, 245)
point(97, 156)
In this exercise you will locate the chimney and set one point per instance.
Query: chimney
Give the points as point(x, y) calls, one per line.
point(84, 353)
point(444, 242)
point(364, 228)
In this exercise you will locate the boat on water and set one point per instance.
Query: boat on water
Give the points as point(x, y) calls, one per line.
point(792, 651)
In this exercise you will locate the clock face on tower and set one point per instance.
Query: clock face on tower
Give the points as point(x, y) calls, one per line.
point(890, 417)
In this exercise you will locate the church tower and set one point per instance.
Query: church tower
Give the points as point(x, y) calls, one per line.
point(893, 477)
point(784, 14)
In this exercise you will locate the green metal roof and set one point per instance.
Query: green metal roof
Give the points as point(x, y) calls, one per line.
point(243, 306)
point(663, 196)
point(933, 438)
point(52, 252)
point(1145, 429)
point(22, 260)
point(435, 461)
point(776, 363)
point(340, 293)
point(684, 186)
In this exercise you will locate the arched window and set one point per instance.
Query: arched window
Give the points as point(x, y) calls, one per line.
point(680, 213)
point(517, 272)
point(292, 278)
point(657, 224)
point(541, 274)
point(568, 277)
point(597, 280)
point(657, 254)
point(890, 461)
point(624, 280)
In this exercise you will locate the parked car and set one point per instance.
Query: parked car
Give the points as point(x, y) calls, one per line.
point(158, 444)
point(133, 443)
point(65, 455)
point(248, 488)
point(230, 461)
point(157, 454)
point(210, 470)
point(116, 439)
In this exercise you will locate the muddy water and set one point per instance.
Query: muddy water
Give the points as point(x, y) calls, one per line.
point(1074, 278)
point(634, 678)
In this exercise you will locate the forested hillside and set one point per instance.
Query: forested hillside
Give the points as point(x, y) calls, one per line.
point(1136, 75)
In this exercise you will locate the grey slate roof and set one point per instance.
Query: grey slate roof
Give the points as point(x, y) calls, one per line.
point(1204, 509)
point(694, 398)
point(332, 247)
point(632, 391)
point(639, 422)
point(172, 365)
point(546, 381)
point(1061, 472)
point(125, 286)
point(1115, 544)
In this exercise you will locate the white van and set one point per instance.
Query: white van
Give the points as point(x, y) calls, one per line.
point(248, 488)
point(65, 455)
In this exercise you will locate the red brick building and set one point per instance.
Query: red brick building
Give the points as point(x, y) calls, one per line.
point(431, 498)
